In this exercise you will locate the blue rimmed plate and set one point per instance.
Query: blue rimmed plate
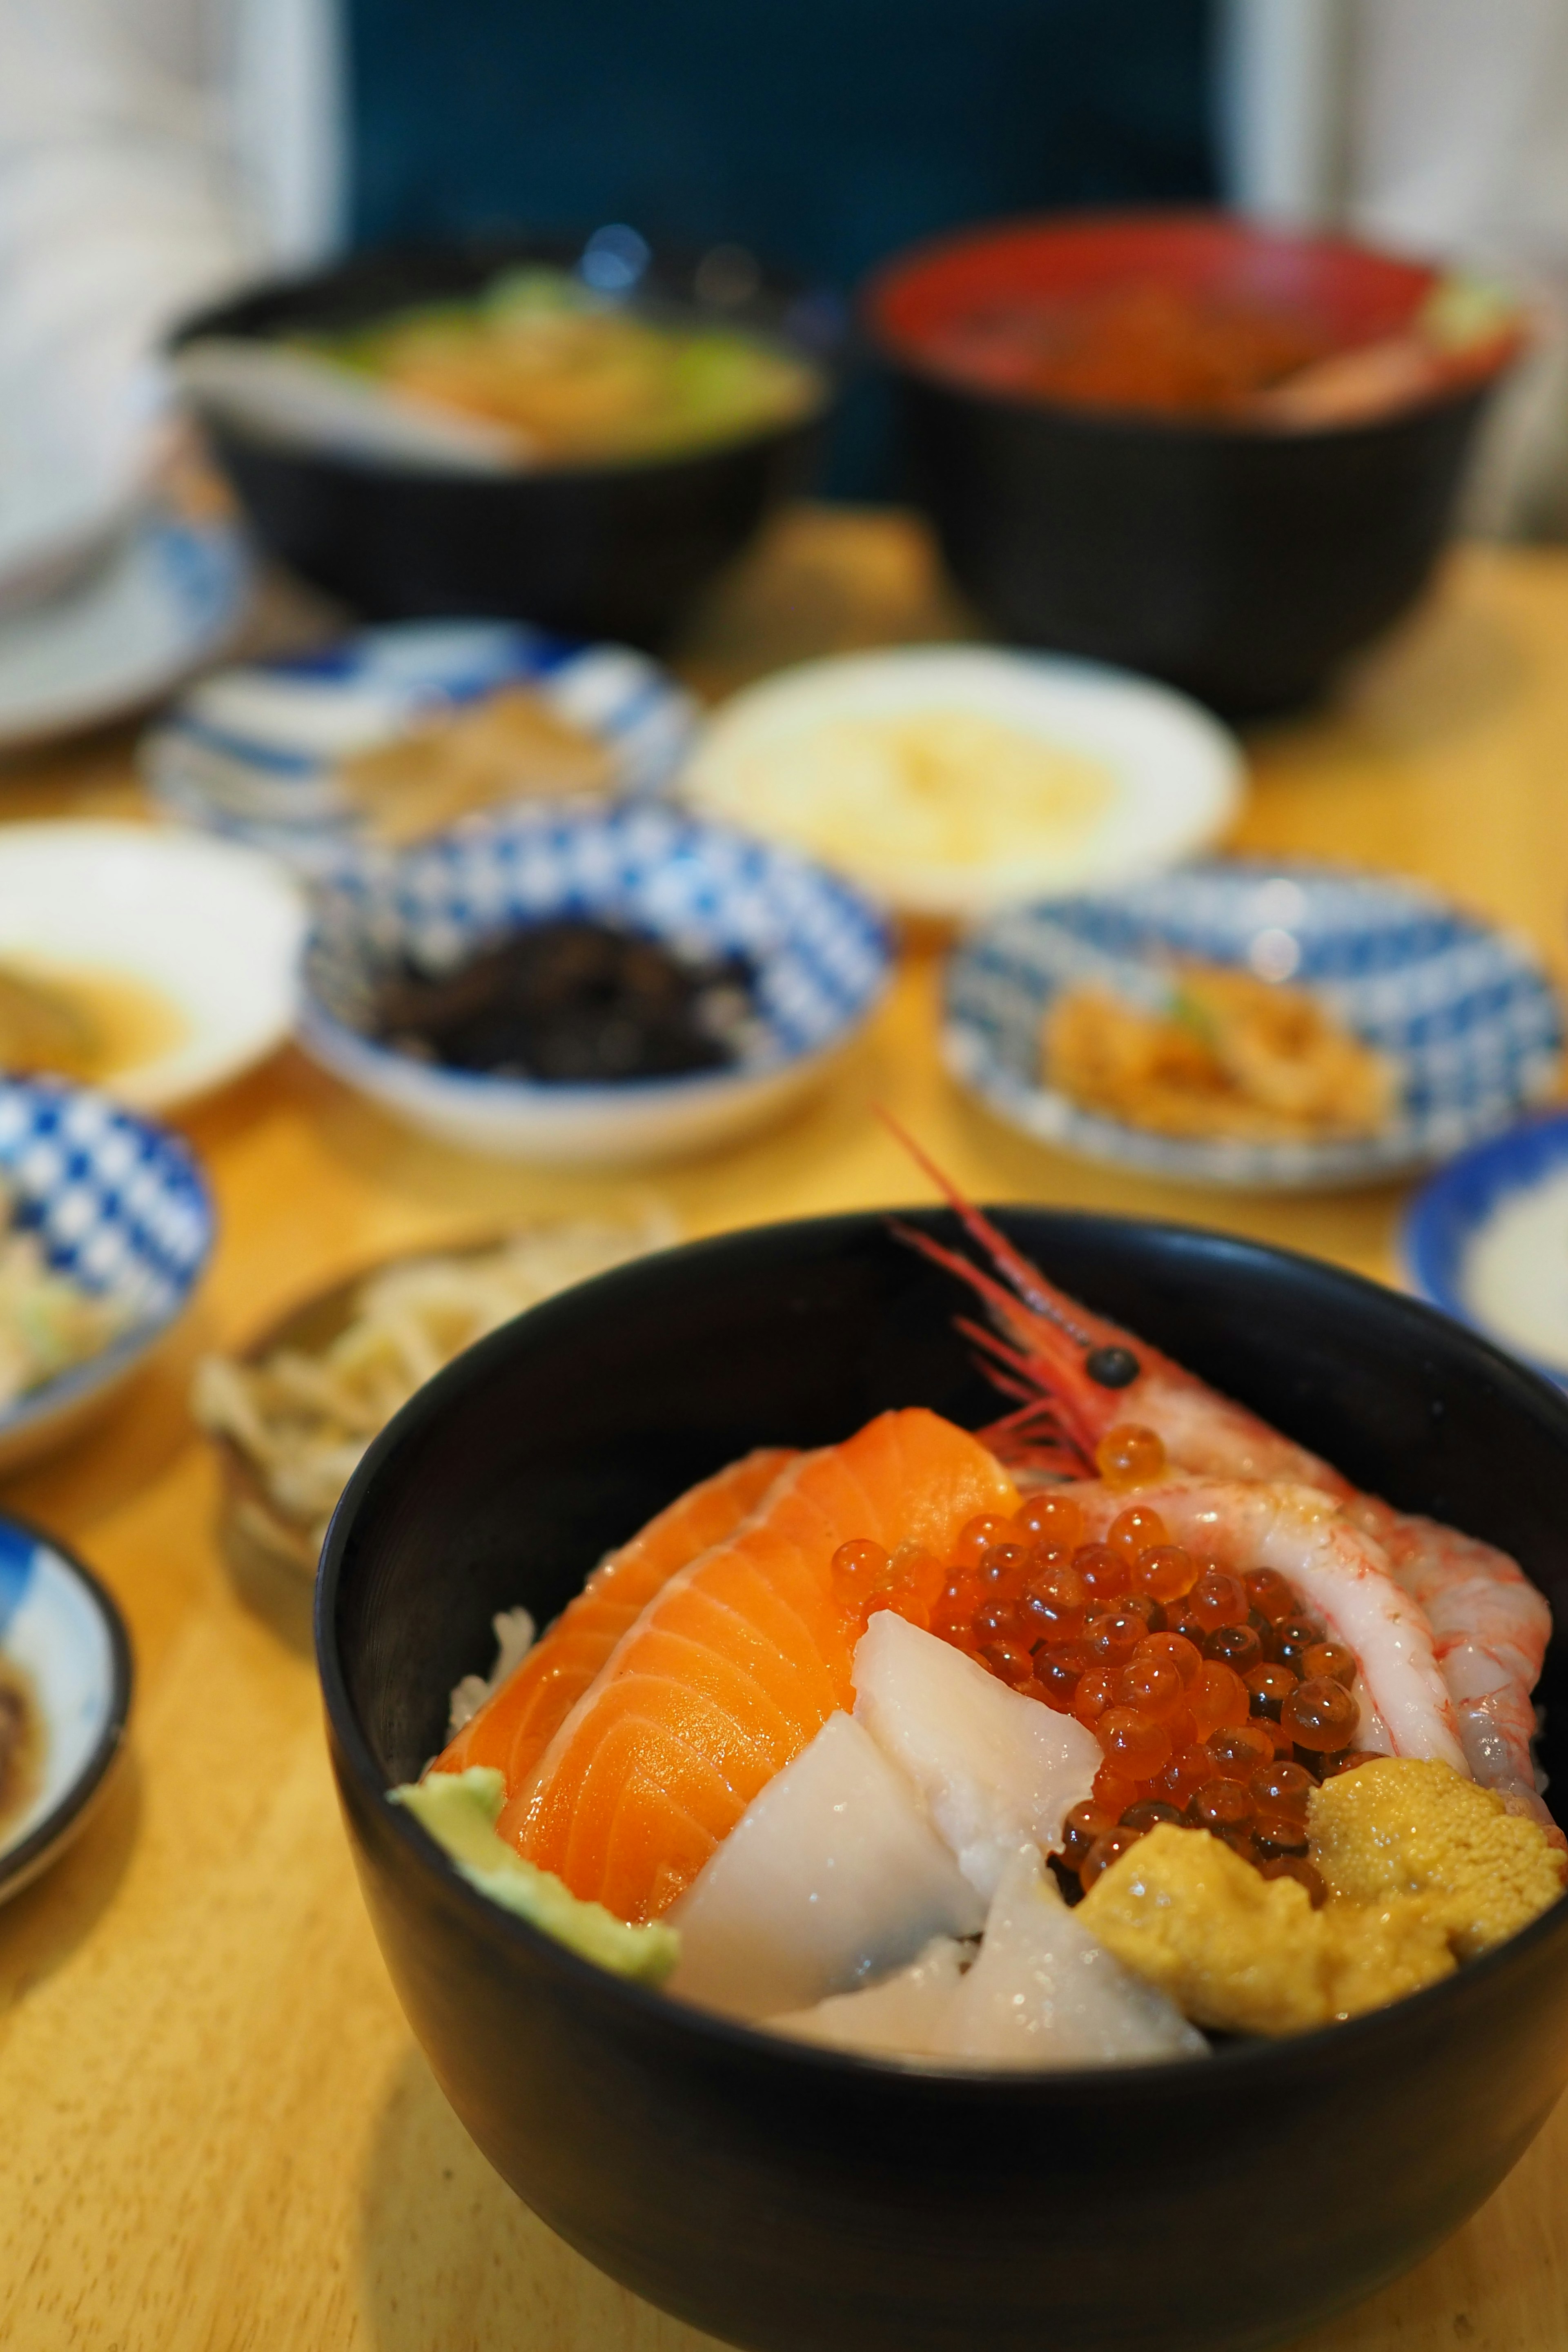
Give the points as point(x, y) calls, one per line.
point(119, 1205)
point(1487, 1240)
point(1464, 1009)
point(62, 1629)
point(821, 953)
point(252, 752)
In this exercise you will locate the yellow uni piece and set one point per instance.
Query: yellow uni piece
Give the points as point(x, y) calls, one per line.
point(1244, 1954)
point(1406, 1826)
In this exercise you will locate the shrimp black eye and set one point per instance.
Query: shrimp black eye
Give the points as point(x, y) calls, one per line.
point(1111, 1367)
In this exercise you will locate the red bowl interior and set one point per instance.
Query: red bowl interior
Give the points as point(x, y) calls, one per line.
point(1349, 291)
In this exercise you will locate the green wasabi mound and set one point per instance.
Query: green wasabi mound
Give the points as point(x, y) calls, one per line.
point(460, 1808)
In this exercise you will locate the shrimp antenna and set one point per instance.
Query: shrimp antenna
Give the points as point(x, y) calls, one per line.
point(995, 1244)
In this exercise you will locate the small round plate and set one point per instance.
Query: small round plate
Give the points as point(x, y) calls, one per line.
point(213, 930)
point(172, 591)
point(1464, 1010)
point(1456, 1251)
point(120, 1205)
point(1173, 774)
point(820, 951)
point(250, 751)
point(61, 1628)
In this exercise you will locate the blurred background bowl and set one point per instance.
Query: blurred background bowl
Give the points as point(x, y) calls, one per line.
point(1242, 564)
point(820, 952)
point(904, 2208)
point(619, 550)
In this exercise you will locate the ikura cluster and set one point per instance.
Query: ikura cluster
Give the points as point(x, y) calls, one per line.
point(1218, 1701)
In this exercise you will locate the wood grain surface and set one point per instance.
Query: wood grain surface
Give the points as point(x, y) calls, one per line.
point(215, 2131)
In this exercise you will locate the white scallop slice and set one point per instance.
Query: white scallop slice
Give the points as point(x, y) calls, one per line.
point(1044, 1992)
point(996, 1770)
point(904, 2016)
point(833, 1875)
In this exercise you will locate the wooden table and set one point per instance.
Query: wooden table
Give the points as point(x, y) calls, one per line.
point(214, 2129)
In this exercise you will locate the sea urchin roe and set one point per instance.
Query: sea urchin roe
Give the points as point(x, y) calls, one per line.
point(1243, 1953)
point(1411, 1826)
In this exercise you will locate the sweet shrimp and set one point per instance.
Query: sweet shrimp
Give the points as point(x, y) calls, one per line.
point(1075, 1375)
point(1342, 1574)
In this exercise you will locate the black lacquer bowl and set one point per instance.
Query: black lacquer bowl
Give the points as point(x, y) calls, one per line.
point(1244, 565)
point(804, 2201)
point(619, 551)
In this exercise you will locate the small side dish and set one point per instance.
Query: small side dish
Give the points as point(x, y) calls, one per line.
point(298, 1408)
point(602, 984)
point(50, 1321)
point(950, 779)
point(1226, 1054)
point(388, 736)
point(1244, 1024)
point(65, 1695)
point(1487, 1241)
point(136, 958)
point(1062, 1744)
point(107, 1229)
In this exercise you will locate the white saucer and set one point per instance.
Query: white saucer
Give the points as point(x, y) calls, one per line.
point(169, 594)
point(214, 929)
point(60, 1625)
point(1173, 773)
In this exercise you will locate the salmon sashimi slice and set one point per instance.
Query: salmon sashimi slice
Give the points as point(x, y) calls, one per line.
point(735, 1665)
point(516, 1723)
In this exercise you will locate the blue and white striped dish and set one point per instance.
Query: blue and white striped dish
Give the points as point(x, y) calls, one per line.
point(250, 751)
point(1454, 1212)
point(121, 1207)
point(821, 951)
point(60, 1627)
point(1464, 1009)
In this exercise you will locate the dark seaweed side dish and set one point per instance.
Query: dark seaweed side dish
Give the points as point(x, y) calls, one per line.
point(571, 1001)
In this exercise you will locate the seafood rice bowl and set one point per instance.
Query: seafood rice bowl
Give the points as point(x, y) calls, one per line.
point(1120, 1779)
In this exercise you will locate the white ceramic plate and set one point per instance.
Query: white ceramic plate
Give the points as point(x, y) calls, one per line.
point(69, 478)
point(168, 595)
point(214, 929)
point(60, 1625)
point(1175, 772)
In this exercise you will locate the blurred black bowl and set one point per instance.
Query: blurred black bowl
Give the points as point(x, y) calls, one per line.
point(1241, 565)
point(618, 551)
point(784, 2197)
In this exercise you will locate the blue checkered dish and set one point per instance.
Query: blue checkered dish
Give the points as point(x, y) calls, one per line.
point(821, 953)
point(121, 1206)
point(1464, 1010)
point(251, 752)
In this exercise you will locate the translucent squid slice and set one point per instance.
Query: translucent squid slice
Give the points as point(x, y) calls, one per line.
point(1044, 1992)
point(832, 1876)
point(904, 2016)
point(996, 1770)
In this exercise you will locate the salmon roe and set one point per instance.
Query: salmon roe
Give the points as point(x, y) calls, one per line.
point(1219, 1700)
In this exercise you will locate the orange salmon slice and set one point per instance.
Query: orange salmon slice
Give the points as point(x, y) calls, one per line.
point(516, 1723)
point(735, 1665)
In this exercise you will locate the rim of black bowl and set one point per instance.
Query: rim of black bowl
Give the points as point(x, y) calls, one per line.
point(904, 356)
point(1412, 2012)
point(831, 359)
point(20, 1862)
